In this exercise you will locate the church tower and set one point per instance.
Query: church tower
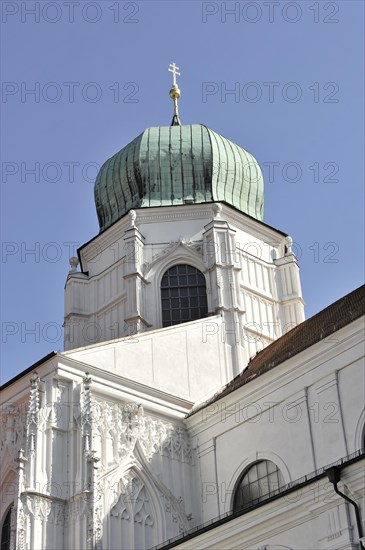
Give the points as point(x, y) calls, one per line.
point(182, 241)
point(165, 419)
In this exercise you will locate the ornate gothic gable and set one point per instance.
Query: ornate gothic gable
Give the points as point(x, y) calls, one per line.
point(183, 247)
point(118, 426)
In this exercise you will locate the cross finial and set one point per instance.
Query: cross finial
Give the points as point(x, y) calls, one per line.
point(175, 72)
point(175, 93)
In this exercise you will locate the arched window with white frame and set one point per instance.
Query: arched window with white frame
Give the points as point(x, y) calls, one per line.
point(183, 295)
point(257, 483)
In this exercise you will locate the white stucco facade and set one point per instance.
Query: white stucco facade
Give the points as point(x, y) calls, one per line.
point(303, 416)
point(138, 436)
point(251, 274)
point(97, 450)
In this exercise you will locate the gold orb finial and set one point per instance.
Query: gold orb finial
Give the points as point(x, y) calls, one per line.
point(175, 94)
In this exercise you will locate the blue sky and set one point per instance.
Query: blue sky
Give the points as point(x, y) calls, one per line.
point(99, 75)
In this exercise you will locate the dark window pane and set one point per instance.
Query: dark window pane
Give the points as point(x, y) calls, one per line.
point(183, 295)
point(257, 483)
point(5, 532)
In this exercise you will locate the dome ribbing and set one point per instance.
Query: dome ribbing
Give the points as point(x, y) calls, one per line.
point(171, 165)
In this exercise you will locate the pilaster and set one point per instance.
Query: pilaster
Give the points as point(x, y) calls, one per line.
point(89, 482)
point(134, 280)
point(32, 432)
point(223, 269)
point(18, 532)
point(289, 290)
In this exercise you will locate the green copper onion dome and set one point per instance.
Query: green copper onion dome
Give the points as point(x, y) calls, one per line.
point(181, 164)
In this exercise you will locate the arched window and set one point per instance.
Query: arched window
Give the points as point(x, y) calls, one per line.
point(5, 532)
point(183, 295)
point(257, 483)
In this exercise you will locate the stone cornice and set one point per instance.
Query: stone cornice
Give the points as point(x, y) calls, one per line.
point(113, 302)
point(179, 213)
point(135, 318)
point(137, 275)
point(32, 493)
point(267, 520)
point(114, 385)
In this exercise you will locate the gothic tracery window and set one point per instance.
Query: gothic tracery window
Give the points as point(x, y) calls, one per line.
point(183, 295)
point(257, 483)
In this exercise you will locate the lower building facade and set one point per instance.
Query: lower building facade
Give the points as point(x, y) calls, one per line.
point(92, 457)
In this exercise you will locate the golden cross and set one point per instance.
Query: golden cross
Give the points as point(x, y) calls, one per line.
point(175, 94)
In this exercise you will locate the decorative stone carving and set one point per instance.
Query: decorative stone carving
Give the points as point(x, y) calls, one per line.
point(195, 248)
point(74, 262)
point(111, 430)
point(122, 425)
point(132, 217)
point(21, 528)
point(288, 245)
point(33, 414)
point(176, 515)
point(217, 210)
point(92, 494)
point(44, 508)
point(86, 416)
point(177, 445)
point(134, 503)
point(12, 433)
point(75, 508)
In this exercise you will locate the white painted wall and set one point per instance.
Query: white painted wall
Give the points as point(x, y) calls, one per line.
point(108, 460)
point(188, 360)
point(302, 415)
point(251, 276)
